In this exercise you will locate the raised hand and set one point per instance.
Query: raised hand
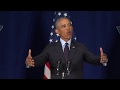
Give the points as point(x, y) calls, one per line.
point(103, 56)
point(29, 61)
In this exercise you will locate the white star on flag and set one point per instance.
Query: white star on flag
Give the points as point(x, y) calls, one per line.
point(59, 13)
point(53, 20)
point(51, 40)
point(57, 35)
point(56, 41)
point(65, 14)
point(75, 38)
point(51, 33)
point(52, 26)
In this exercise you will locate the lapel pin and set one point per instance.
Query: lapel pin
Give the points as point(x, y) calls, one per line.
point(73, 47)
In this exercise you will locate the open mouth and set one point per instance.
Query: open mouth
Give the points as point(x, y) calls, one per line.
point(69, 33)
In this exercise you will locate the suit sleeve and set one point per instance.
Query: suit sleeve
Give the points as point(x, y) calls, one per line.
point(42, 58)
point(91, 58)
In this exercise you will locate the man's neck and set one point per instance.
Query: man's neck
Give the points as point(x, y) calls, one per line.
point(69, 41)
point(66, 40)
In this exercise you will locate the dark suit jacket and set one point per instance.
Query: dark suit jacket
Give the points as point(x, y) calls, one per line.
point(77, 55)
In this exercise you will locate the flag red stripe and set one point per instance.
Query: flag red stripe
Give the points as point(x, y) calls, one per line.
point(44, 77)
point(47, 71)
point(48, 65)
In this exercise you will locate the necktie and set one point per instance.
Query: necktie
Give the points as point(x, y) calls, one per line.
point(66, 51)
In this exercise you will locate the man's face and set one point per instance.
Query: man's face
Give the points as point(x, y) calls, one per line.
point(64, 29)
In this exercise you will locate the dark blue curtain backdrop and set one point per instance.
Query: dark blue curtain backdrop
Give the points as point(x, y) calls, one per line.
point(30, 29)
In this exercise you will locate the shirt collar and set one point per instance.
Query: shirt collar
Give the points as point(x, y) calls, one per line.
point(63, 42)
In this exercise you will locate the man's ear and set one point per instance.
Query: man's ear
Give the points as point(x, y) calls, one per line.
point(56, 31)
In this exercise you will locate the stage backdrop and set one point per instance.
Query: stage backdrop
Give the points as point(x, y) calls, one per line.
point(30, 29)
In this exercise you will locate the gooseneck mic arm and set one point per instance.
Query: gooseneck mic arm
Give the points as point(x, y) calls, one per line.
point(68, 67)
point(58, 65)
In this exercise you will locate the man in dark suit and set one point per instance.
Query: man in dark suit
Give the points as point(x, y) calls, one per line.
point(62, 67)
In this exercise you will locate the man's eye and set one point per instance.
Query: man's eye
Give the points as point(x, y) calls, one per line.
point(70, 24)
point(63, 26)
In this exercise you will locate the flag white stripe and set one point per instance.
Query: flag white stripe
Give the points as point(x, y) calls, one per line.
point(47, 72)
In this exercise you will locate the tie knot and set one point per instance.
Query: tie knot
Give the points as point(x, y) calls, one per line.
point(66, 46)
point(66, 43)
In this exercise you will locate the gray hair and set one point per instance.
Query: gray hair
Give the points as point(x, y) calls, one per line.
point(56, 23)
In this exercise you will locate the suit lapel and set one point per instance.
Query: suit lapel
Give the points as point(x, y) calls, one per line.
point(58, 47)
point(72, 51)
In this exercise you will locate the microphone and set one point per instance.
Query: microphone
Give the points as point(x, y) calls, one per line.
point(68, 66)
point(58, 64)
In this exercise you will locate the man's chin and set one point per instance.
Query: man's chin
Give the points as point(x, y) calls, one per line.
point(69, 38)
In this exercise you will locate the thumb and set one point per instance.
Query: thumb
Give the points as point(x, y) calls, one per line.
point(101, 51)
point(29, 53)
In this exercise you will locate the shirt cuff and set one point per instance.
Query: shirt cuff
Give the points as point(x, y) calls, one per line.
point(27, 66)
point(105, 64)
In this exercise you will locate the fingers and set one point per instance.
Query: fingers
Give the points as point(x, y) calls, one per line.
point(30, 62)
point(104, 56)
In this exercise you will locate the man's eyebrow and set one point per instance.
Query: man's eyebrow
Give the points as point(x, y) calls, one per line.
point(63, 25)
point(69, 23)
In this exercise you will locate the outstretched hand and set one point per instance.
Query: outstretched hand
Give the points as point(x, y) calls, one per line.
point(29, 60)
point(103, 56)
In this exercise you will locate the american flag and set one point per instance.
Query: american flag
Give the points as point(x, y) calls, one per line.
point(54, 38)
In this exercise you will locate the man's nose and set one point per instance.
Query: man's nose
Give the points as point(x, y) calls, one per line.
point(68, 27)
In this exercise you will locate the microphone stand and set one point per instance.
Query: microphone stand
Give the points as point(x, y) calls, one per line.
point(68, 71)
point(63, 74)
point(68, 66)
point(58, 64)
